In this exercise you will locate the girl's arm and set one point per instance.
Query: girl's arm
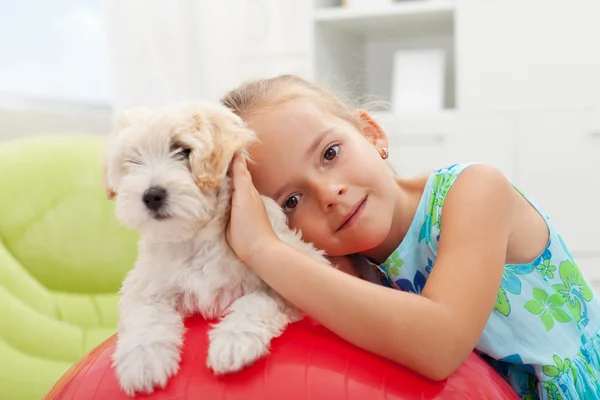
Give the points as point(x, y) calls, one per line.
point(433, 333)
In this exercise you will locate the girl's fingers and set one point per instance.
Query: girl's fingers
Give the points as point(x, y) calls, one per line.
point(243, 167)
point(238, 162)
point(241, 175)
point(237, 168)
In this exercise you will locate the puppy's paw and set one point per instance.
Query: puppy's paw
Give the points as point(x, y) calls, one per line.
point(143, 368)
point(230, 351)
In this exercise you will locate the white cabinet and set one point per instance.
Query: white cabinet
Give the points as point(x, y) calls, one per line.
point(557, 160)
point(353, 47)
point(488, 137)
point(527, 54)
point(421, 144)
point(505, 58)
point(500, 54)
point(552, 156)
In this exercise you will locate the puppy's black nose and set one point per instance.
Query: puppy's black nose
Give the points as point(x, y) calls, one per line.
point(154, 198)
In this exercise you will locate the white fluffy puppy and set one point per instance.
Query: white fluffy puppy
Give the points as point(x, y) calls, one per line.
point(167, 169)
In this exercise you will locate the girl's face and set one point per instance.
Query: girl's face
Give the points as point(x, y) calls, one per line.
point(327, 176)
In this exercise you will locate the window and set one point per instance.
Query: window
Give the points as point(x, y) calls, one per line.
point(54, 50)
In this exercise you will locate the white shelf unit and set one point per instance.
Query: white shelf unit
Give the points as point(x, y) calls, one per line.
point(353, 48)
point(387, 14)
point(522, 97)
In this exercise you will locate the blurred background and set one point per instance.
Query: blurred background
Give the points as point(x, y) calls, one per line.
point(514, 83)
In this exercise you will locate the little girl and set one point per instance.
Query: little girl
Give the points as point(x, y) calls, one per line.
point(462, 259)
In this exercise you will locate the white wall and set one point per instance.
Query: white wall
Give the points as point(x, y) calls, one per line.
point(528, 54)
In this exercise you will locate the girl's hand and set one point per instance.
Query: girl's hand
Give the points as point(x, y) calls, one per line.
point(249, 227)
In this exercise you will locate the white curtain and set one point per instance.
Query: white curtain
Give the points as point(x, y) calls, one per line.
point(165, 51)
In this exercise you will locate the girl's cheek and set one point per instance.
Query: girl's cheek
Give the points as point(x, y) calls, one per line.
point(292, 220)
point(298, 220)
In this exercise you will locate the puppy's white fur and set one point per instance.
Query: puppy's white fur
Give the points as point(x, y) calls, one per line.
point(185, 264)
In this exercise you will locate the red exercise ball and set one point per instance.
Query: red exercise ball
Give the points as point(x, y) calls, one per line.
point(306, 362)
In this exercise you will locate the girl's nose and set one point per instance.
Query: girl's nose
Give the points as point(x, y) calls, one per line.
point(330, 194)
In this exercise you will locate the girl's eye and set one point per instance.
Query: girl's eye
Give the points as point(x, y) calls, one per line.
point(291, 202)
point(331, 153)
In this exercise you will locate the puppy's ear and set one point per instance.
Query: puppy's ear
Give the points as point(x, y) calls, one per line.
point(227, 134)
point(108, 191)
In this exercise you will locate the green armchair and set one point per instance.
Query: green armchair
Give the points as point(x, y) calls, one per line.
point(63, 256)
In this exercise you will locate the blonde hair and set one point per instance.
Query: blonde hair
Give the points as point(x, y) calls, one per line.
point(251, 95)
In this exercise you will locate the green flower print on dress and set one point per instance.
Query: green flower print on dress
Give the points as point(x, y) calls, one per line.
point(561, 366)
point(549, 308)
point(502, 304)
point(529, 392)
point(552, 391)
point(441, 186)
point(546, 269)
point(574, 291)
point(530, 396)
point(393, 264)
point(442, 182)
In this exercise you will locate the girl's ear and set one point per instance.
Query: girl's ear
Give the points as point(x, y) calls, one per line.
point(371, 130)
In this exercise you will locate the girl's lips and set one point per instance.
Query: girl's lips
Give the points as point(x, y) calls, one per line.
point(353, 214)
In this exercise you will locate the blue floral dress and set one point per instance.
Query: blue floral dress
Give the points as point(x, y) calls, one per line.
point(543, 335)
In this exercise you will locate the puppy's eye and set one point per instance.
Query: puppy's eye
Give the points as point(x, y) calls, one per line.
point(133, 161)
point(184, 153)
point(180, 151)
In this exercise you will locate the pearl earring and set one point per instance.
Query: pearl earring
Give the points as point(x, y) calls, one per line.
point(385, 153)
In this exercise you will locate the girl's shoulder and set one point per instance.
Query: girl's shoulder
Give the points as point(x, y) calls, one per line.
point(444, 177)
point(440, 181)
point(482, 177)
